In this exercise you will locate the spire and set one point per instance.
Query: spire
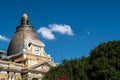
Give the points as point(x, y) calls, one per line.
point(25, 19)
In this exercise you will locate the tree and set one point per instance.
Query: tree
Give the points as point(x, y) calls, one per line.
point(103, 63)
point(74, 69)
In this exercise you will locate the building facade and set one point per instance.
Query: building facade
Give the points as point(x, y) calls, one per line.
point(26, 58)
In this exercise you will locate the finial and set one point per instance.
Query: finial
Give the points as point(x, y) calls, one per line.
point(25, 19)
point(25, 16)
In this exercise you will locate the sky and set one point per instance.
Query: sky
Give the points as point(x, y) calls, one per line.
point(68, 28)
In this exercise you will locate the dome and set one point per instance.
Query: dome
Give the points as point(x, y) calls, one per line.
point(24, 32)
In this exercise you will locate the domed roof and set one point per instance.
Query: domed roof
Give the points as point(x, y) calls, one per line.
point(24, 32)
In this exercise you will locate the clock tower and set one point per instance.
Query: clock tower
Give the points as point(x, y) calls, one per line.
point(27, 51)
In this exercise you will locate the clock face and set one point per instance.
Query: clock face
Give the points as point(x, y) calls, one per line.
point(37, 50)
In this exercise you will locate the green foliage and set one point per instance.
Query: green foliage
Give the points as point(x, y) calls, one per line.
point(103, 63)
point(69, 70)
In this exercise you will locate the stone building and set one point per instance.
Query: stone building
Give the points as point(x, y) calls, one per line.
point(26, 58)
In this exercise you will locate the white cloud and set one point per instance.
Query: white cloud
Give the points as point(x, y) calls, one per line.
point(3, 38)
point(63, 29)
point(47, 33)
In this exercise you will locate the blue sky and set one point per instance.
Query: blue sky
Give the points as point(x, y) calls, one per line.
point(73, 27)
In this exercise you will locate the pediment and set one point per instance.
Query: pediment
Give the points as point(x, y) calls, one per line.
point(47, 63)
point(43, 66)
